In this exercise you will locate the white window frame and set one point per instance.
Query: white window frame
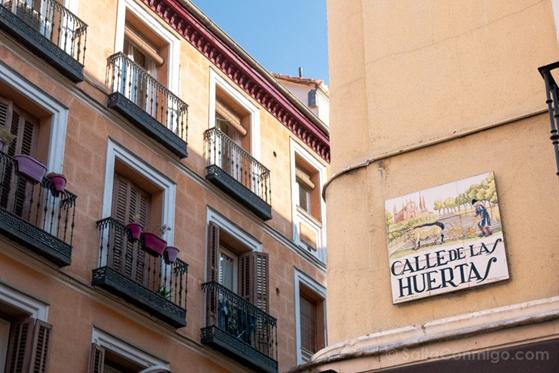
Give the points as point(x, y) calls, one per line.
point(23, 302)
point(34, 307)
point(225, 224)
point(299, 215)
point(129, 352)
point(299, 278)
point(254, 131)
point(58, 115)
point(117, 152)
point(173, 59)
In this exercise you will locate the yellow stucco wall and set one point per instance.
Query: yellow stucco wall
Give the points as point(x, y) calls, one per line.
point(410, 73)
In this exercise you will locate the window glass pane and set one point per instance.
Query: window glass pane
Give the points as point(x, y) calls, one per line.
point(227, 271)
point(304, 197)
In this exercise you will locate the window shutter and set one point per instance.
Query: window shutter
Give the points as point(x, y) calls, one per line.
point(254, 278)
point(308, 326)
point(130, 203)
point(213, 252)
point(29, 347)
point(5, 112)
point(96, 359)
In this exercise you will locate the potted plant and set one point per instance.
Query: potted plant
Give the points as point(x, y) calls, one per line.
point(30, 168)
point(6, 138)
point(57, 183)
point(170, 254)
point(134, 230)
point(153, 244)
point(164, 292)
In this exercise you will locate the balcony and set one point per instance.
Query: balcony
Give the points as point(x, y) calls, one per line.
point(129, 272)
point(147, 104)
point(235, 171)
point(50, 31)
point(34, 216)
point(239, 329)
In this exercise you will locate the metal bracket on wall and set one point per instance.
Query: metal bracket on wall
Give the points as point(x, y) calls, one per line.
point(552, 93)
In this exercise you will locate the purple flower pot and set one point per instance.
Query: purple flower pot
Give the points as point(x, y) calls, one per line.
point(30, 168)
point(153, 244)
point(134, 231)
point(170, 254)
point(58, 183)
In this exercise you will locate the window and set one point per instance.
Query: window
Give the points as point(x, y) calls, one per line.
point(306, 188)
point(142, 37)
point(24, 332)
point(308, 207)
point(310, 316)
point(50, 116)
point(135, 192)
point(311, 323)
point(112, 355)
point(234, 115)
point(30, 137)
point(23, 125)
point(236, 267)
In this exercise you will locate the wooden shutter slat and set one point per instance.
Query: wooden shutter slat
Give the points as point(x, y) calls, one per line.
point(261, 280)
point(130, 204)
point(96, 359)
point(6, 108)
point(246, 279)
point(213, 252)
point(29, 347)
point(20, 338)
point(40, 350)
point(254, 278)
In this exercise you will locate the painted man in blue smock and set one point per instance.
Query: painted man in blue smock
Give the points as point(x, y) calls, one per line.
point(484, 223)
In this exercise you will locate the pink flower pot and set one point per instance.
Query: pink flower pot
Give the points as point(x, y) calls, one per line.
point(58, 183)
point(30, 168)
point(170, 254)
point(153, 244)
point(134, 231)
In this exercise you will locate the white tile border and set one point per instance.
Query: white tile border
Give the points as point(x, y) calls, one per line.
point(59, 115)
point(298, 279)
point(116, 151)
point(157, 28)
point(297, 149)
point(217, 80)
point(128, 351)
point(35, 308)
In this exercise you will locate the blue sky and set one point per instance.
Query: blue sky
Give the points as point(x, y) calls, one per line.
point(280, 34)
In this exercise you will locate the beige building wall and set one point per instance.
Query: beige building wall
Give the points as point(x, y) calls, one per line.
point(433, 92)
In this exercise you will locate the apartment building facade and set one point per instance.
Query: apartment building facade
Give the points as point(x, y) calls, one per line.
point(443, 165)
point(159, 196)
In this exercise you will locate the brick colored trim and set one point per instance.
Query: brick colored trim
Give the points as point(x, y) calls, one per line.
point(242, 73)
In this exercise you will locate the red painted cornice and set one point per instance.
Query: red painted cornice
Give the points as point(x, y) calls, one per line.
point(239, 70)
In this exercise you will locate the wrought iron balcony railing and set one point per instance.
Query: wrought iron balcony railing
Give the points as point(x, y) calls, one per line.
point(243, 170)
point(50, 29)
point(127, 270)
point(233, 324)
point(155, 109)
point(35, 216)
